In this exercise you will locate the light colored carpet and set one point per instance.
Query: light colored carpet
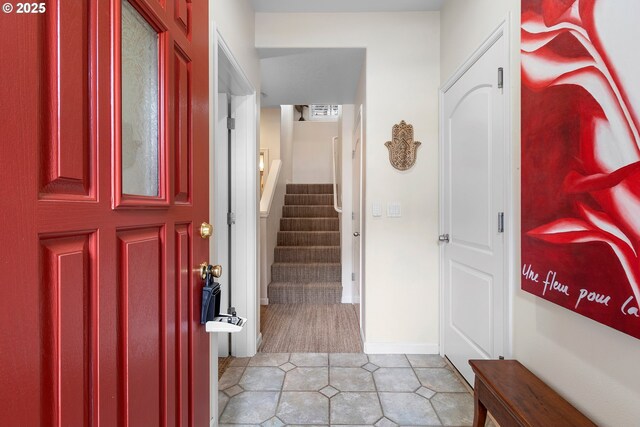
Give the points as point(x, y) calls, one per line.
point(310, 328)
point(223, 364)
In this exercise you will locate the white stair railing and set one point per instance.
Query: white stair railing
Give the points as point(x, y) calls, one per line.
point(334, 160)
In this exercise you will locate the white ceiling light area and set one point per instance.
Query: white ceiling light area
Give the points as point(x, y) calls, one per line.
point(314, 6)
point(310, 76)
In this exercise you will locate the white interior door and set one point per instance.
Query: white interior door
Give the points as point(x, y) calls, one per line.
point(357, 213)
point(474, 198)
point(221, 193)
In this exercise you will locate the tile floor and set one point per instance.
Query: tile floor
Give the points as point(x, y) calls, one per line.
point(277, 389)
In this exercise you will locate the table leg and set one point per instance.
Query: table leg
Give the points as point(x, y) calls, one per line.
point(479, 412)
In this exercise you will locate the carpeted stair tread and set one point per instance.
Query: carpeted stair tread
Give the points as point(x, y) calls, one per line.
point(310, 224)
point(305, 293)
point(308, 199)
point(308, 238)
point(306, 272)
point(309, 211)
point(309, 188)
point(307, 254)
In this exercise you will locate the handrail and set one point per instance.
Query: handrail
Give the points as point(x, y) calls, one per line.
point(335, 185)
point(270, 188)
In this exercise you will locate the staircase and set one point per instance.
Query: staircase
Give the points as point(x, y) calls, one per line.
point(306, 268)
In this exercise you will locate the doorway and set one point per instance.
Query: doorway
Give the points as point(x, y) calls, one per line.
point(475, 165)
point(234, 176)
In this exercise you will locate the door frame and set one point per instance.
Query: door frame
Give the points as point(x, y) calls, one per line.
point(358, 127)
point(510, 272)
point(245, 173)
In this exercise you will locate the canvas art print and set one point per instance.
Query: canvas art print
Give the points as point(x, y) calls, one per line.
point(581, 157)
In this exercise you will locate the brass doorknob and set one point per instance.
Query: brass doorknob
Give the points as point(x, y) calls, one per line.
point(216, 271)
point(205, 269)
point(206, 230)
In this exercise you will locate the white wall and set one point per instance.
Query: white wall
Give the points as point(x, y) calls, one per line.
point(270, 214)
point(312, 151)
point(270, 204)
point(234, 19)
point(402, 78)
point(270, 131)
point(286, 142)
point(593, 366)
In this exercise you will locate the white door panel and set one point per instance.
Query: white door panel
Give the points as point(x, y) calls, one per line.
point(474, 194)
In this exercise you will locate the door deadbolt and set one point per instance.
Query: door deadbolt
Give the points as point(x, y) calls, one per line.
point(206, 230)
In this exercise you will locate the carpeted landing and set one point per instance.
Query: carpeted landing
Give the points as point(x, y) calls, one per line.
point(310, 328)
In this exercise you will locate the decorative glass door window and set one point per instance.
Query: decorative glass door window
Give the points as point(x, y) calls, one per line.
point(139, 105)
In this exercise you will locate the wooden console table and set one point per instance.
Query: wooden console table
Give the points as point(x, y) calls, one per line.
point(516, 397)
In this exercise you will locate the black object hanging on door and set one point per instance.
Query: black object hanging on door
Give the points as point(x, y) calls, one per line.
point(210, 297)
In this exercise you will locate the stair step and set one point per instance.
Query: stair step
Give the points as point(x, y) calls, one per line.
point(309, 211)
point(304, 293)
point(309, 224)
point(303, 254)
point(308, 199)
point(309, 188)
point(306, 273)
point(308, 238)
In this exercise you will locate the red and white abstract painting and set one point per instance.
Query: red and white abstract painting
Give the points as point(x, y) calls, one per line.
point(581, 157)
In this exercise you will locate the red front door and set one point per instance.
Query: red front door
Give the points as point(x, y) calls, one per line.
point(103, 186)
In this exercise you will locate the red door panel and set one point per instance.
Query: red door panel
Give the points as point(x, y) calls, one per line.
point(140, 326)
point(66, 314)
point(99, 291)
point(182, 127)
point(181, 390)
point(66, 146)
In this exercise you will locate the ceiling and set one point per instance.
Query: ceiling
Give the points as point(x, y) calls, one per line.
point(346, 5)
point(310, 76)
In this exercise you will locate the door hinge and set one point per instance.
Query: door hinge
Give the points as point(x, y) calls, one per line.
point(500, 222)
point(231, 123)
point(353, 216)
point(231, 218)
point(500, 78)
point(353, 277)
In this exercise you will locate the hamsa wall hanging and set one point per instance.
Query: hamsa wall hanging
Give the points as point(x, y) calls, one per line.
point(402, 148)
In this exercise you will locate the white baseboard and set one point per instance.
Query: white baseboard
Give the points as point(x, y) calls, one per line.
point(400, 348)
point(264, 301)
point(346, 299)
point(259, 342)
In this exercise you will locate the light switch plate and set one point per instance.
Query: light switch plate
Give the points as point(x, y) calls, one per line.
point(394, 210)
point(376, 209)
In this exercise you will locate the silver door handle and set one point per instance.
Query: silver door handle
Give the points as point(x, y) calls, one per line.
point(443, 238)
point(356, 234)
